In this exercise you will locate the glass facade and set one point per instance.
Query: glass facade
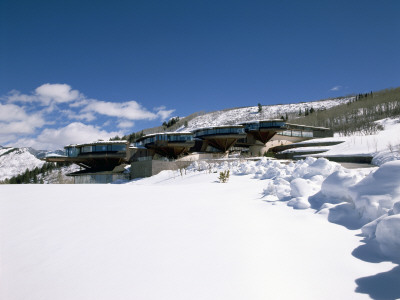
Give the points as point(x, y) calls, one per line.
point(166, 137)
point(75, 151)
point(72, 151)
point(273, 124)
point(219, 131)
point(297, 133)
point(86, 149)
point(263, 124)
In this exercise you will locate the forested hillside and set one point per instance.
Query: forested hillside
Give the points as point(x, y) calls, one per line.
point(357, 116)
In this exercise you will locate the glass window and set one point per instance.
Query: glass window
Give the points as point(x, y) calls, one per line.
point(287, 133)
point(296, 133)
point(86, 149)
point(307, 133)
point(118, 147)
point(72, 152)
point(100, 148)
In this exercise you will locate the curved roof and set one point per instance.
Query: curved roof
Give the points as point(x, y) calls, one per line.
point(164, 133)
point(98, 143)
point(217, 127)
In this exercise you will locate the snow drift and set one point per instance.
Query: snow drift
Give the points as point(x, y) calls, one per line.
point(367, 198)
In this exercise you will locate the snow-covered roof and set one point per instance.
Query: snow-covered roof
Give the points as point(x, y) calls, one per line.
point(54, 155)
point(98, 143)
point(165, 133)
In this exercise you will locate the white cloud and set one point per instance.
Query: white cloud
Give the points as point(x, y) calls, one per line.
point(47, 94)
point(22, 114)
point(165, 114)
point(58, 93)
point(74, 133)
point(16, 96)
point(6, 138)
point(79, 116)
point(125, 124)
point(336, 88)
point(130, 110)
point(14, 120)
point(11, 112)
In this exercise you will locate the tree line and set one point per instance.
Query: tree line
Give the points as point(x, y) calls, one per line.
point(35, 175)
point(358, 116)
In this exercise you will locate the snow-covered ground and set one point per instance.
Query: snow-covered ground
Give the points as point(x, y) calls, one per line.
point(191, 237)
point(244, 114)
point(383, 146)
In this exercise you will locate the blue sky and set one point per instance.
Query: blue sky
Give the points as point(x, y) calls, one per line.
point(72, 71)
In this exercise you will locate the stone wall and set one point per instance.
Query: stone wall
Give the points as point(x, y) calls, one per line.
point(147, 168)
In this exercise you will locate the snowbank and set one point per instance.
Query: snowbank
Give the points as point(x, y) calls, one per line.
point(382, 147)
point(367, 198)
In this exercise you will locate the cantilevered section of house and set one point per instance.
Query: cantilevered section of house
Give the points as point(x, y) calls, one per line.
point(262, 130)
point(220, 137)
point(101, 155)
point(297, 133)
point(167, 144)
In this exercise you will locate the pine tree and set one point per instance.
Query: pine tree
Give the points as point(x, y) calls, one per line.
point(259, 108)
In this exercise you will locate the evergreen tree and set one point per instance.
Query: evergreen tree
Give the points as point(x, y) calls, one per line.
point(259, 108)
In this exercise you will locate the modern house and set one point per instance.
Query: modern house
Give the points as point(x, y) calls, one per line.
point(219, 138)
point(100, 161)
point(106, 161)
point(167, 144)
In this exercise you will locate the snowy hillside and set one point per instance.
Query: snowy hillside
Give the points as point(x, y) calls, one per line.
point(237, 115)
point(384, 146)
point(14, 161)
point(59, 176)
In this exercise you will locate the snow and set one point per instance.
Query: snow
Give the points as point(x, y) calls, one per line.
point(246, 114)
point(306, 149)
point(174, 236)
point(14, 161)
point(352, 198)
point(383, 146)
point(59, 176)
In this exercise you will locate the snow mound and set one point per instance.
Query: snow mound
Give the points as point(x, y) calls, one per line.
point(388, 236)
point(359, 198)
point(375, 194)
